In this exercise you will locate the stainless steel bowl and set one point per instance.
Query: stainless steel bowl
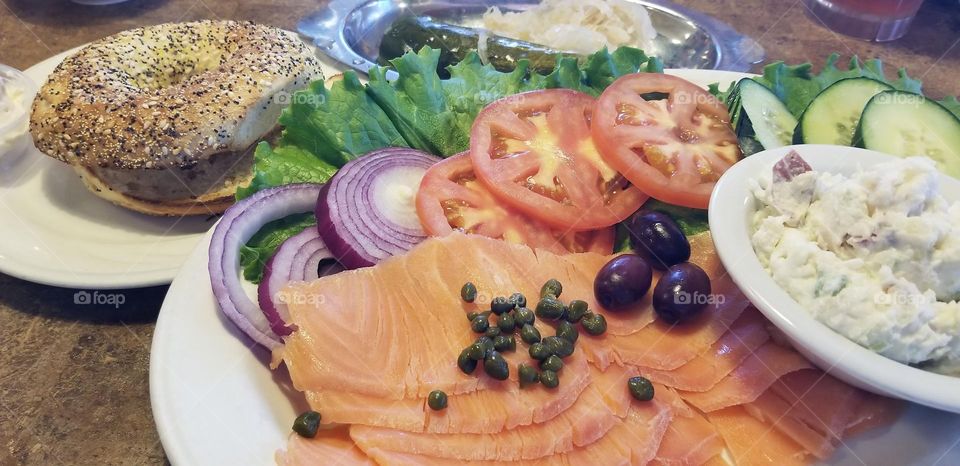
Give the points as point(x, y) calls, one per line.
point(350, 31)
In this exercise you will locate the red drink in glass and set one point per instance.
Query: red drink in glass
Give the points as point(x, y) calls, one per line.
point(878, 20)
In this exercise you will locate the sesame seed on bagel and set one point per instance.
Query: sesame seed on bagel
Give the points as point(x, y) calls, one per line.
point(169, 97)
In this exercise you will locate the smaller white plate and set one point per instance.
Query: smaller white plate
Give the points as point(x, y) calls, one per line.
point(731, 208)
point(55, 232)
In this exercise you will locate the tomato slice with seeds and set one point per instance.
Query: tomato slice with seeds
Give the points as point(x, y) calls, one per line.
point(534, 151)
point(666, 135)
point(451, 198)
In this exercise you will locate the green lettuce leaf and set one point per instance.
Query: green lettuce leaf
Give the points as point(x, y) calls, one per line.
point(797, 86)
point(603, 68)
point(255, 254)
point(284, 165)
point(417, 104)
point(337, 124)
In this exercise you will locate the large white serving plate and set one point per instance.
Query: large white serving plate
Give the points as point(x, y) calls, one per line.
point(216, 402)
point(53, 231)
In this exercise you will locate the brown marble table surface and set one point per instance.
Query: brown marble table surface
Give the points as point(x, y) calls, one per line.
point(73, 379)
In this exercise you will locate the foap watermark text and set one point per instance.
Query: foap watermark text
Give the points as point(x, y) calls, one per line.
point(96, 298)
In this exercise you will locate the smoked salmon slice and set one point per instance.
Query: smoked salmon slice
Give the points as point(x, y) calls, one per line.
point(504, 406)
point(633, 440)
point(703, 373)
point(748, 381)
point(370, 344)
point(329, 448)
point(810, 407)
point(690, 439)
point(752, 442)
point(595, 412)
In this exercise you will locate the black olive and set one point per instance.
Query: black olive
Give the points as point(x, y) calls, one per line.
point(622, 281)
point(656, 236)
point(682, 293)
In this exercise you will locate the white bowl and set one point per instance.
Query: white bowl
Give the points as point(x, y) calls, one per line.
point(731, 208)
point(14, 137)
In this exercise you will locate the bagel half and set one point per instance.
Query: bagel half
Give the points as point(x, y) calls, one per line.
point(163, 119)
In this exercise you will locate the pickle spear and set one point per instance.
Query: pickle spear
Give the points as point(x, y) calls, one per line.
point(410, 32)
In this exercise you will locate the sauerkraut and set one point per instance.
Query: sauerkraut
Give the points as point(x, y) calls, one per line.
point(579, 26)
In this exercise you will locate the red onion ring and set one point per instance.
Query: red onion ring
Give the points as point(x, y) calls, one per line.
point(366, 212)
point(238, 224)
point(297, 259)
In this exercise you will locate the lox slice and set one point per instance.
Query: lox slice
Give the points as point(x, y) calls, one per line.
point(701, 374)
point(594, 413)
point(485, 411)
point(329, 448)
point(633, 439)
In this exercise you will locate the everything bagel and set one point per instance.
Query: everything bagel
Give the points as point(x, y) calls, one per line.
point(162, 119)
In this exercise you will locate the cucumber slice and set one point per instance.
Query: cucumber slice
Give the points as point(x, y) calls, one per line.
point(906, 124)
point(769, 119)
point(833, 115)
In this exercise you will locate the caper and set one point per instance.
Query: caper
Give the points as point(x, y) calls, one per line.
point(527, 374)
point(480, 324)
point(558, 346)
point(518, 300)
point(550, 308)
point(499, 305)
point(486, 344)
point(529, 334)
point(568, 332)
point(549, 379)
point(524, 316)
point(468, 292)
point(505, 343)
point(539, 351)
point(476, 351)
point(465, 362)
point(640, 388)
point(575, 310)
point(551, 287)
point(471, 316)
point(496, 366)
point(506, 322)
point(437, 400)
point(307, 424)
point(493, 331)
point(553, 363)
point(594, 324)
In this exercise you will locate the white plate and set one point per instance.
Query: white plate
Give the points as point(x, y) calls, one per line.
point(731, 210)
point(216, 402)
point(53, 231)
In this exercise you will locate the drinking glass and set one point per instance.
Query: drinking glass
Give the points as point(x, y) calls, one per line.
point(876, 20)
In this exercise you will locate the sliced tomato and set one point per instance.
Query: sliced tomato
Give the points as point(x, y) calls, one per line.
point(451, 198)
point(666, 135)
point(534, 152)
